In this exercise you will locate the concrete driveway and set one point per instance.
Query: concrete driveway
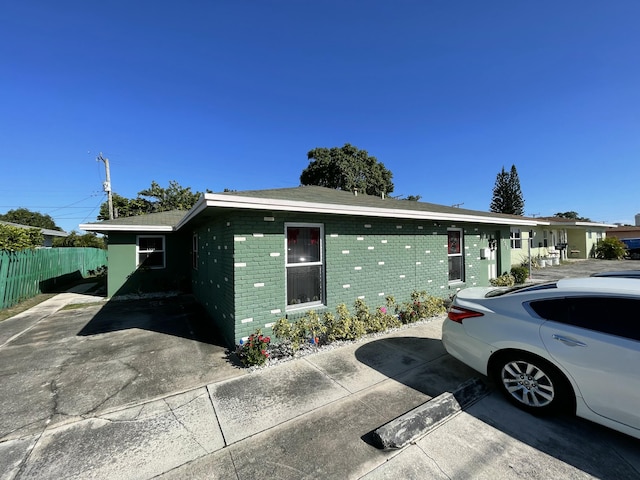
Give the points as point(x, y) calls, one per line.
point(582, 268)
point(97, 355)
point(143, 389)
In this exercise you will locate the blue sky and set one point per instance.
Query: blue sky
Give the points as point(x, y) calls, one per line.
point(233, 94)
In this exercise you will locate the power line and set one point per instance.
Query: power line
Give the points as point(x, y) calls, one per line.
point(93, 210)
point(41, 206)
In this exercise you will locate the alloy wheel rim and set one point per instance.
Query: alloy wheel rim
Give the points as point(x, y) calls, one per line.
point(527, 383)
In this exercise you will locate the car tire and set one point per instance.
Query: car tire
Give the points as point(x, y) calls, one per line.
point(532, 384)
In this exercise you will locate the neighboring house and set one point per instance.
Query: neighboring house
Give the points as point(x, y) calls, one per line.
point(624, 232)
point(48, 234)
point(253, 257)
point(557, 237)
point(630, 236)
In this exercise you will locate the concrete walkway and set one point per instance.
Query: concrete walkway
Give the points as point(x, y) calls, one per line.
point(142, 407)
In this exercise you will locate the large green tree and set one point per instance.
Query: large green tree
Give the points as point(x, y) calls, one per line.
point(572, 215)
point(24, 216)
point(151, 200)
point(507, 194)
point(347, 168)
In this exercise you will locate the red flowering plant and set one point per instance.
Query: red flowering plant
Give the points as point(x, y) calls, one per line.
point(253, 351)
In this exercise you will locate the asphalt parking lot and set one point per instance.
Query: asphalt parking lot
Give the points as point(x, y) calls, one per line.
point(144, 389)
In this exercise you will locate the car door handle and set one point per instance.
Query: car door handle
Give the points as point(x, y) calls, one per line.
point(568, 341)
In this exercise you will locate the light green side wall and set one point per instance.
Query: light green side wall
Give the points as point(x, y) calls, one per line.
point(520, 256)
point(593, 237)
point(241, 273)
point(125, 278)
point(577, 240)
point(122, 255)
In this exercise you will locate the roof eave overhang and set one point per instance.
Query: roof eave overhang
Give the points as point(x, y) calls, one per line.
point(55, 233)
point(212, 200)
point(582, 224)
point(96, 227)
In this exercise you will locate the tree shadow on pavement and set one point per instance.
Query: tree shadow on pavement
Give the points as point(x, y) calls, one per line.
point(180, 316)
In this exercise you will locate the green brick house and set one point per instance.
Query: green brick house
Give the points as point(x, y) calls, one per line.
point(255, 256)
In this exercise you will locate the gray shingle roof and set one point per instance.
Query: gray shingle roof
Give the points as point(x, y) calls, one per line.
point(305, 199)
point(160, 219)
point(45, 231)
point(338, 197)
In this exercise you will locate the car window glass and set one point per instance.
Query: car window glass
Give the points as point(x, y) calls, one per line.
point(615, 316)
point(553, 309)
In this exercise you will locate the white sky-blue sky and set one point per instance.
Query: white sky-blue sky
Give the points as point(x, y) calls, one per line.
point(233, 94)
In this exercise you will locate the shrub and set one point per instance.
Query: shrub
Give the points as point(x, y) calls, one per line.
point(520, 274)
point(339, 326)
point(504, 280)
point(348, 327)
point(99, 272)
point(535, 262)
point(421, 306)
point(384, 320)
point(315, 329)
point(254, 350)
point(292, 334)
point(610, 248)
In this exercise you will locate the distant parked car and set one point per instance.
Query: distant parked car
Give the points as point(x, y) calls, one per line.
point(619, 274)
point(570, 345)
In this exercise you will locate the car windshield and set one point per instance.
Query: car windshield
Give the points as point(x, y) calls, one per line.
point(519, 289)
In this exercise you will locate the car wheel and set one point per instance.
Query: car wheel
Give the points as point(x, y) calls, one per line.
point(531, 383)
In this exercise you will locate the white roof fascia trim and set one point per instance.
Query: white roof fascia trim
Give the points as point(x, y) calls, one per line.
point(54, 233)
point(584, 224)
point(229, 201)
point(195, 210)
point(90, 227)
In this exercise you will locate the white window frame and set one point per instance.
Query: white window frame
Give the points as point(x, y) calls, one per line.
point(195, 255)
point(163, 251)
point(459, 253)
point(321, 263)
point(515, 238)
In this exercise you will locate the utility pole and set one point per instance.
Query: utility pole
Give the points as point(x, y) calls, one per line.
point(106, 186)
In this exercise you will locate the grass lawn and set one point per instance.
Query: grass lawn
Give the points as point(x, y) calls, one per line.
point(26, 305)
point(33, 301)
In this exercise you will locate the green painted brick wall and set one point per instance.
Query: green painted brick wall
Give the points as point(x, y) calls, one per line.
point(213, 281)
point(259, 258)
point(241, 276)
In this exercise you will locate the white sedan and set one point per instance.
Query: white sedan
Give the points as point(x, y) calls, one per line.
point(571, 345)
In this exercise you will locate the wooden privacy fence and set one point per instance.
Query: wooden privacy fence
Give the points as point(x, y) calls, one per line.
point(30, 272)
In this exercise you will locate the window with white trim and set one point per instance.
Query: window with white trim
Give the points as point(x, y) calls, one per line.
point(194, 251)
point(151, 251)
point(514, 236)
point(454, 254)
point(304, 264)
